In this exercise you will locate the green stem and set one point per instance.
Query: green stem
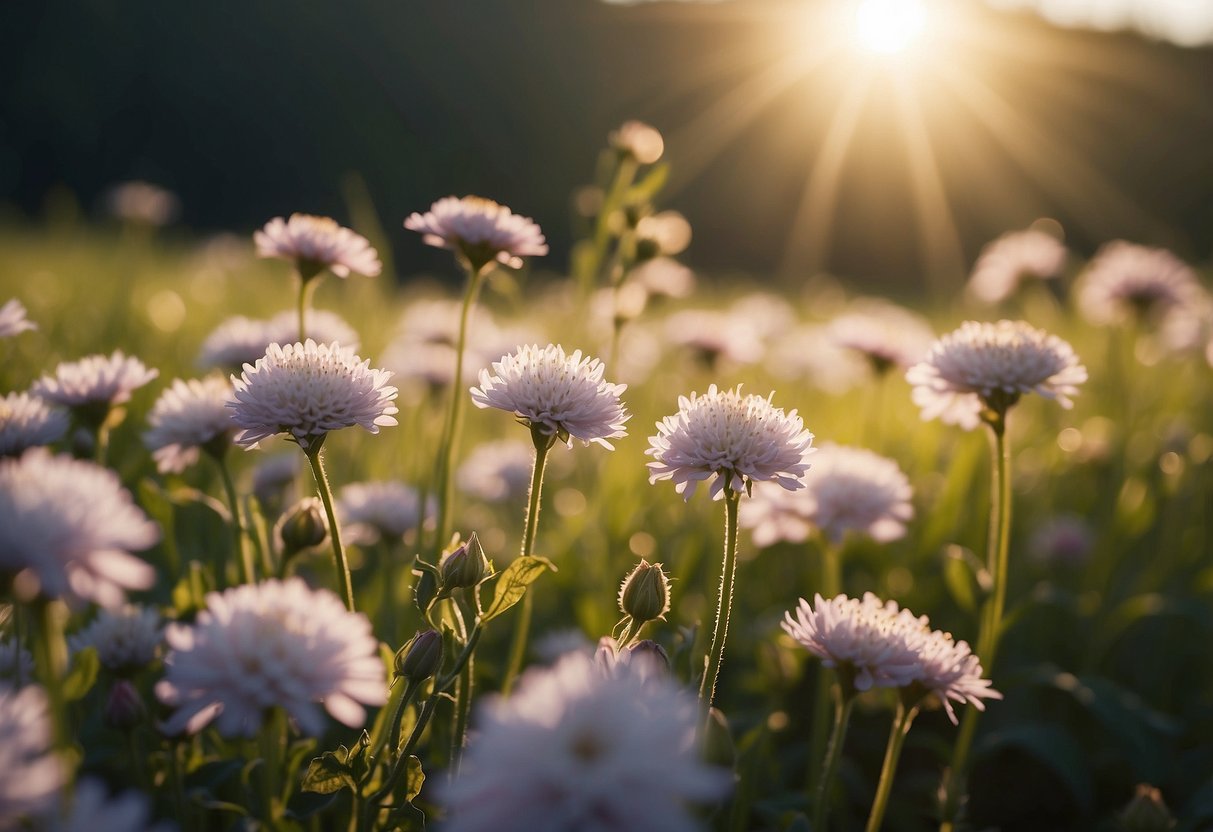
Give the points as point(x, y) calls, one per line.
point(522, 625)
point(410, 691)
point(463, 692)
point(630, 632)
point(897, 737)
point(50, 662)
point(724, 605)
point(454, 423)
point(242, 549)
point(831, 585)
point(315, 459)
point(307, 287)
point(842, 717)
point(101, 450)
point(272, 735)
point(625, 172)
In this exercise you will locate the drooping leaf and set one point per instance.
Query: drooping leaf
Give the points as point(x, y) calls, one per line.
point(329, 773)
point(513, 583)
point(82, 675)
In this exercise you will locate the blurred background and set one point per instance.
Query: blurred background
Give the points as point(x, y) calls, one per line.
point(799, 141)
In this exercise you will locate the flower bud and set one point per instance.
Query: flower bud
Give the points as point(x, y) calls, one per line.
point(420, 658)
point(124, 709)
point(1146, 812)
point(651, 656)
point(645, 594)
point(303, 526)
point(465, 567)
point(718, 746)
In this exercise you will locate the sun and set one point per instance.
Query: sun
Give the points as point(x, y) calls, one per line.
point(888, 27)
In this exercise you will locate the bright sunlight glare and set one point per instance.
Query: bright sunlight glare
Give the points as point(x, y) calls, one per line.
point(887, 27)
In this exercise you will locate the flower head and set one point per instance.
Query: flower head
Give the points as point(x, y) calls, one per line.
point(13, 320)
point(306, 391)
point(70, 526)
point(714, 336)
point(480, 230)
point(664, 276)
point(1125, 281)
point(273, 644)
point(143, 202)
point(33, 773)
point(638, 140)
point(496, 471)
point(27, 422)
point(95, 381)
point(662, 234)
point(885, 335)
point(584, 746)
point(948, 671)
point(1005, 263)
point(369, 511)
point(126, 639)
point(240, 340)
point(555, 394)
point(986, 367)
point(316, 243)
point(188, 416)
point(737, 439)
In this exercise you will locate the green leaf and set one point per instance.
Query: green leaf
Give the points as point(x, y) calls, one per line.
point(425, 588)
point(329, 773)
point(414, 779)
point(83, 675)
point(650, 184)
point(513, 583)
point(964, 576)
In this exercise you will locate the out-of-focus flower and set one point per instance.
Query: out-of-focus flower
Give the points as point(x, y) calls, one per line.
point(307, 390)
point(663, 234)
point(16, 663)
point(142, 202)
point(949, 672)
point(124, 709)
point(715, 337)
point(27, 422)
point(582, 746)
point(126, 639)
point(1063, 540)
point(765, 313)
point(70, 527)
point(556, 394)
point(240, 340)
point(664, 276)
point(984, 367)
point(810, 352)
point(317, 243)
point(323, 327)
point(189, 416)
point(1146, 812)
point(480, 230)
point(848, 490)
point(884, 334)
point(93, 385)
point(369, 511)
point(273, 644)
point(33, 774)
point(1004, 264)
point(497, 471)
point(13, 320)
point(736, 439)
point(91, 809)
point(638, 140)
point(1125, 281)
point(272, 476)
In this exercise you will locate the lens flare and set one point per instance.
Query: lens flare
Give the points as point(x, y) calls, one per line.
point(888, 27)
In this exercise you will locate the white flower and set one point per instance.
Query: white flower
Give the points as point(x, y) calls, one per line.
point(95, 380)
point(13, 320)
point(240, 340)
point(189, 415)
point(558, 395)
point(664, 276)
point(497, 471)
point(736, 439)
point(307, 390)
point(273, 644)
point(480, 230)
point(27, 421)
point(987, 365)
point(92, 810)
point(886, 335)
point(811, 352)
point(71, 526)
point(715, 336)
point(1012, 258)
point(323, 327)
point(125, 639)
point(315, 243)
point(16, 663)
point(662, 234)
point(272, 476)
point(848, 490)
point(869, 639)
point(949, 671)
point(144, 202)
point(371, 510)
point(586, 748)
point(1126, 281)
point(638, 140)
point(32, 773)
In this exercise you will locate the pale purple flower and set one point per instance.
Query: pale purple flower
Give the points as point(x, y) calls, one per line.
point(662, 234)
point(70, 527)
point(273, 644)
point(33, 774)
point(558, 395)
point(95, 380)
point(13, 320)
point(272, 476)
point(126, 639)
point(775, 515)
point(736, 439)
point(27, 422)
point(581, 746)
point(767, 314)
point(315, 243)
point(480, 230)
point(638, 140)
point(1004, 264)
point(369, 511)
point(140, 201)
point(664, 276)
point(948, 671)
point(307, 390)
point(92, 809)
point(323, 327)
point(810, 352)
point(984, 366)
point(497, 471)
point(1125, 281)
point(884, 334)
point(240, 340)
point(716, 337)
point(189, 416)
point(1066, 540)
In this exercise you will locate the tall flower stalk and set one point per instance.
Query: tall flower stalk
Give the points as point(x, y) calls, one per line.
point(724, 602)
point(340, 561)
point(829, 768)
point(888, 769)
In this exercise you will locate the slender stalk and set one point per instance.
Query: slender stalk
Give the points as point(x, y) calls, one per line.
point(241, 545)
point(454, 423)
point(625, 172)
point(101, 450)
point(463, 692)
point(897, 737)
point(838, 737)
point(272, 736)
point(315, 459)
point(307, 287)
point(831, 585)
point(724, 604)
point(50, 662)
point(522, 625)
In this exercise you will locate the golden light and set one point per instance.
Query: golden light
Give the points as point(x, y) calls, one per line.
point(888, 27)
